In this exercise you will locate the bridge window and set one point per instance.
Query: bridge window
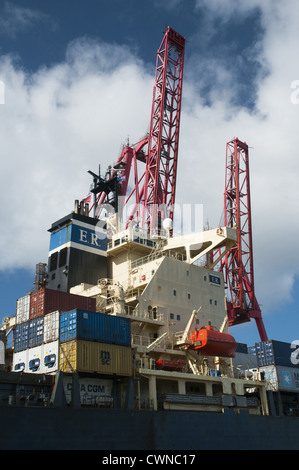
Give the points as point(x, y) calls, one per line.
point(53, 261)
point(62, 257)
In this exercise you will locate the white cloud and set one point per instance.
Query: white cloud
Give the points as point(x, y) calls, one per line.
point(225, 9)
point(55, 125)
point(68, 118)
point(271, 129)
point(15, 19)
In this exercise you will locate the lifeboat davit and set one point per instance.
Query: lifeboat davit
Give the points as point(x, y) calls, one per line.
point(209, 341)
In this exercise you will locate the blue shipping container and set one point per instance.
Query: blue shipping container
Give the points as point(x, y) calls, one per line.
point(242, 348)
point(275, 353)
point(251, 350)
point(20, 336)
point(36, 332)
point(94, 326)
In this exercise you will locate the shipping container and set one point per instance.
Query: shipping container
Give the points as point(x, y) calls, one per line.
point(51, 326)
point(273, 352)
point(20, 336)
point(35, 331)
point(50, 357)
point(94, 357)
point(23, 309)
point(2, 355)
point(35, 358)
point(94, 326)
point(251, 350)
point(42, 359)
point(46, 301)
point(20, 361)
point(242, 348)
point(281, 378)
point(37, 303)
point(93, 391)
point(2, 347)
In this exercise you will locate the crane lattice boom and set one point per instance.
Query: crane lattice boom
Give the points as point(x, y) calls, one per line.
point(237, 265)
point(145, 173)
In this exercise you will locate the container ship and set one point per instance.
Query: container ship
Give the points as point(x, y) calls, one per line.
point(126, 341)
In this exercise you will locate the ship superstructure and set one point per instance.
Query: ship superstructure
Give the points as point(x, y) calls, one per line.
point(158, 283)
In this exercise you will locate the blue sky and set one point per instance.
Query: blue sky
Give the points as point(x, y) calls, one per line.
point(78, 81)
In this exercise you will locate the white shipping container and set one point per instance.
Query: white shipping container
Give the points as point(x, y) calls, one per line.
point(51, 327)
point(92, 391)
point(50, 357)
point(23, 309)
point(35, 358)
point(2, 349)
point(281, 378)
point(43, 359)
point(20, 361)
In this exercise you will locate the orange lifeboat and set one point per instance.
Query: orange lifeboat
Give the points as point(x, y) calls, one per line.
point(210, 342)
point(163, 364)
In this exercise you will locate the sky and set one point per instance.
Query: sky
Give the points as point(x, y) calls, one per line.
point(76, 81)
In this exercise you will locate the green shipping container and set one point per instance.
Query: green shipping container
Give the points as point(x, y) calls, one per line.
point(94, 357)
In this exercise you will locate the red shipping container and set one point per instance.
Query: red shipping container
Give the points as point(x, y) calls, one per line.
point(46, 301)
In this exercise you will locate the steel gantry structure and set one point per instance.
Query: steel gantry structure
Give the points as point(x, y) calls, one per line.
point(237, 265)
point(142, 184)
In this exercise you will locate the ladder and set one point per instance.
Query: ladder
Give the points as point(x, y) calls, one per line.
point(157, 341)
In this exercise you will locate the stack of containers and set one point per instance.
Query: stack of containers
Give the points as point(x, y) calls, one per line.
point(251, 350)
point(279, 361)
point(274, 353)
point(36, 334)
point(45, 301)
point(93, 342)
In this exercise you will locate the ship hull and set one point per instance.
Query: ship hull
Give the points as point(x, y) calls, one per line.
point(109, 429)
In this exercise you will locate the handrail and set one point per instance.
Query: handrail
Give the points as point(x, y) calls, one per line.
point(157, 255)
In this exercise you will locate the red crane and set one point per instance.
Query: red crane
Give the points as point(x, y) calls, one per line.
point(143, 180)
point(237, 265)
